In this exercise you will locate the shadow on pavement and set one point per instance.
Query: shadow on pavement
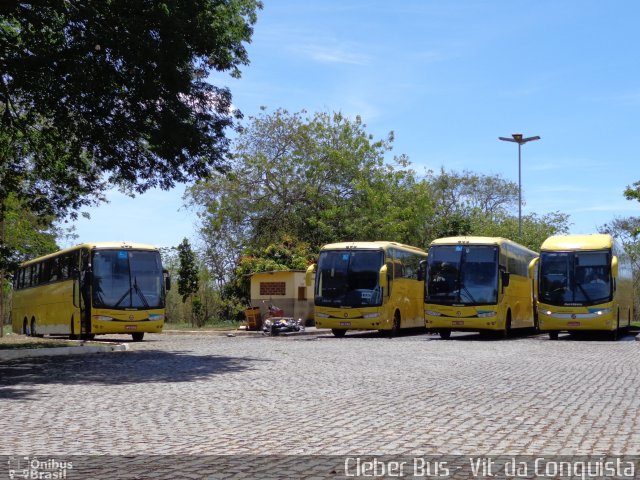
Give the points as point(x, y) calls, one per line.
point(405, 332)
point(17, 377)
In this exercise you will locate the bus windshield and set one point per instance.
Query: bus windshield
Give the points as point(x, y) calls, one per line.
point(462, 274)
point(349, 278)
point(575, 277)
point(127, 279)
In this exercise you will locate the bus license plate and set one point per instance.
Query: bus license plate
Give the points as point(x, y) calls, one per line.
point(345, 324)
point(130, 327)
point(457, 322)
point(573, 324)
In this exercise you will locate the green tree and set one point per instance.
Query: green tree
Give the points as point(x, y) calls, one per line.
point(188, 283)
point(291, 175)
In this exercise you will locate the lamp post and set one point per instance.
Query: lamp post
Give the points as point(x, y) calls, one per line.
point(517, 138)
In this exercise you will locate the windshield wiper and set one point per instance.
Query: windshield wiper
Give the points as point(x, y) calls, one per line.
point(123, 297)
point(466, 291)
point(584, 292)
point(139, 292)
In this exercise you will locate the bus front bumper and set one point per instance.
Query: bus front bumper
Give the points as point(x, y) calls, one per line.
point(593, 319)
point(463, 319)
point(352, 323)
point(101, 324)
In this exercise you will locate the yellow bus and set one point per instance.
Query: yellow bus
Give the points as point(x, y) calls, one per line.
point(91, 289)
point(584, 283)
point(367, 286)
point(478, 284)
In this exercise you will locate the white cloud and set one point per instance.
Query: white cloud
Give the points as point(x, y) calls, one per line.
point(336, 54)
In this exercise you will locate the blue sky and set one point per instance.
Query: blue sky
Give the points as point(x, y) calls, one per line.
point(448, 78)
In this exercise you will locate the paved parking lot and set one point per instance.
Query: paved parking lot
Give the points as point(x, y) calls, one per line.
point(360, 395)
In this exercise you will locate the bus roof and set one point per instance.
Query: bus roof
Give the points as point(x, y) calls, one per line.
point(471, 240)
point(94, 245)
point(578, 242)
point(375, 245)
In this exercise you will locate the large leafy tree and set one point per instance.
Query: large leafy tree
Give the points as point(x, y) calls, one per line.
point(115, 90)
point(293, 175)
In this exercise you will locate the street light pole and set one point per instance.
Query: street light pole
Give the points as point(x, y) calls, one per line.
point(517, 138)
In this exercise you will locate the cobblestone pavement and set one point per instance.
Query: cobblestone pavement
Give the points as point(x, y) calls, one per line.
point(362, 394)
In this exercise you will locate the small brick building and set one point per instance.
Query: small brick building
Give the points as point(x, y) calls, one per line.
point(285, 289)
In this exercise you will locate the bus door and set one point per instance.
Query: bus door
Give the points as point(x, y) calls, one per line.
point(85, 281)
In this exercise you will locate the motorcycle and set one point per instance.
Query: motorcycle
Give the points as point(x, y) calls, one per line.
point(277, 323)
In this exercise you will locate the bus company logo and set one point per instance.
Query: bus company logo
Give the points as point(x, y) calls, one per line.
point(345, 315)
point(573, 316)
point(458, 313)
point(132, 318)
point(35, 468)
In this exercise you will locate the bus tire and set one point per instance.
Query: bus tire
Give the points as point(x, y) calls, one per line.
point(553, 335)
point(445, 334)
point(34, 329)
point(506, 332)
point(395, 329)
point(137, 336)
point(72, 334)
point(25, 327)
point(338, 332)
point(615, 334)
point(88, 336)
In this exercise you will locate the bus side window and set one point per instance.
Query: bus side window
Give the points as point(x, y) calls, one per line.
point(45, 272)
point(54, 270)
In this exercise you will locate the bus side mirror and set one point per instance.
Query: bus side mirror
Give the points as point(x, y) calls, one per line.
point(505, 278)
point(310, 276)
point(384, 280)
point(422, 270)
point(167, 280)
point(614, 266)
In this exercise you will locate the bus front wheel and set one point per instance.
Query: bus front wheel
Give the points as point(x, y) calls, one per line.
point(615, 334)
point(338, 332)
point(395, 329)
point(506, 332)
point(445, 334)
point(553, 335)
point(34, 330)
point(137, 336)
point(72, 334)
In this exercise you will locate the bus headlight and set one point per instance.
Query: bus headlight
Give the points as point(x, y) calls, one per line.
point(486, 314)
point(371, 315)
point(433, 313)
point(322, 315)
point(603, 311)
point(102, 318)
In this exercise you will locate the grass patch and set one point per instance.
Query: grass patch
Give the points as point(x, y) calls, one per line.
point(15, 342)
point(226, 325)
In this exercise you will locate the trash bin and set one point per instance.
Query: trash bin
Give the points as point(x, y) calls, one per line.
point(254, 320)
